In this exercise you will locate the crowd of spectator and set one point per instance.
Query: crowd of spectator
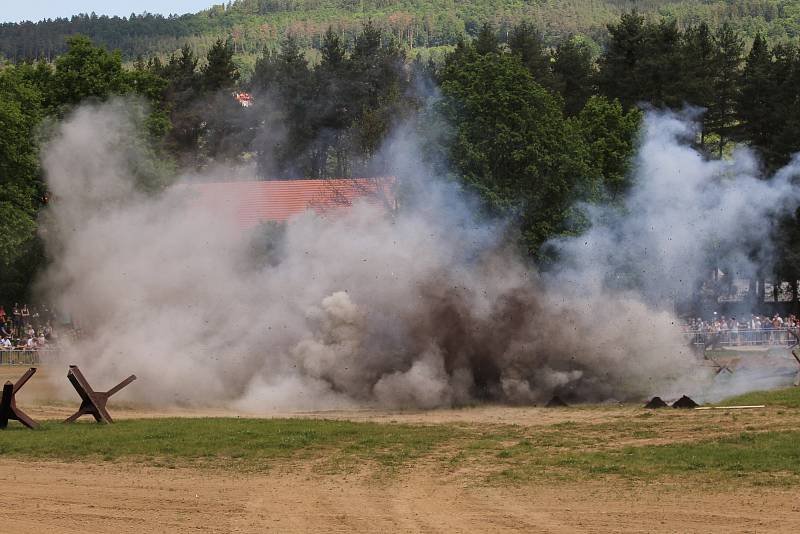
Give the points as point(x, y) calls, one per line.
point(27, 328)
point(757, 330)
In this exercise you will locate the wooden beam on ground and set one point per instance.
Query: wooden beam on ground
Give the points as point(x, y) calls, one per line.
point(731, 407)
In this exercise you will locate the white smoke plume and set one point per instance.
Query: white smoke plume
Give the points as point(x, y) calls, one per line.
point(424, 308)
point(682, 212)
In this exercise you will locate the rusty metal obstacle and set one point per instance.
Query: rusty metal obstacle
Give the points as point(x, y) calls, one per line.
point(8, 407)
point(93, 402)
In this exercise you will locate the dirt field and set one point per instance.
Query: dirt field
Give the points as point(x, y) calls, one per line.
point(63, 498)
point(125, 497)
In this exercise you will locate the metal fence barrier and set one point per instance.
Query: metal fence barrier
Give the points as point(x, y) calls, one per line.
point(27, 357)
point(743, 338)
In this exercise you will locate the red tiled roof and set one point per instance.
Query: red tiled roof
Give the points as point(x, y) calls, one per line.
point(278, 200)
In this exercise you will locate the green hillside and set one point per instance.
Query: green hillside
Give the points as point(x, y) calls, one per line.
point(418, 24)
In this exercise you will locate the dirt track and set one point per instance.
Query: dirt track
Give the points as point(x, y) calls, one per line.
point(120, 499)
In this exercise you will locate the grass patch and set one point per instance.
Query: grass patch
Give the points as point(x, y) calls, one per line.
point(789, 397)
point(667, 444)
point(228, 442)
point(757, 457)
point(745, 454)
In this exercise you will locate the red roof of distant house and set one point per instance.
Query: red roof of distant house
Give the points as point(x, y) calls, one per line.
point(278, 200)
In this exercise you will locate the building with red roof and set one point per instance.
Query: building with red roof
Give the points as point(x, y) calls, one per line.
point(252, 203)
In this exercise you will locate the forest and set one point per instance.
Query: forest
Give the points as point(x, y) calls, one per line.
point(420, 26)
point(531, 128)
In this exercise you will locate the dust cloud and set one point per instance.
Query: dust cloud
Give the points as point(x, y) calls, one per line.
point(425, 307)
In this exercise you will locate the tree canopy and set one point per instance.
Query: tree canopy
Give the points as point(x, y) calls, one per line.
point(532, 127)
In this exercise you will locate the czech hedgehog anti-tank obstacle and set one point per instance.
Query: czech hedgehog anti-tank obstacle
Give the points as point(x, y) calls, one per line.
point(93, 402)
point(8, 407)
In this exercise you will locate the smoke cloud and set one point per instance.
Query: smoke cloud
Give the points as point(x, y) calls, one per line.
point(426, 307)
point(683, 215)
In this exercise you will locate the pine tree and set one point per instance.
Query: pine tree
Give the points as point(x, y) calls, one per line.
point(527, 43)
point(377, 73)
point(220, 72)
point(755, 106)
point(333, 51)
point(618, 75)
point(658, 74)
point(785, 140)
point(181, 101)
point(698, 54)
point(182, 71)
point(284, 88)
point(722, 107)
point(332, 110)
point(224, 124)
point(574, 74)
point(264, 71)
point(486, 42)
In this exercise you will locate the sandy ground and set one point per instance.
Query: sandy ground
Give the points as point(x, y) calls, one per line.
point(119, 499)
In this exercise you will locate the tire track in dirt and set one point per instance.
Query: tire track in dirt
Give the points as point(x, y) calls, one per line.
point(123, 498)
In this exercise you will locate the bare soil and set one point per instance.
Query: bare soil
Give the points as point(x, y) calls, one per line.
point(119, 499)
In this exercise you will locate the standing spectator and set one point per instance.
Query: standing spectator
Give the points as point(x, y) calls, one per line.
point(26, 315)
point(724, 334)
point(16, 317)
point(767, 326)
point(714, 335)
point(777, 327)
point(2, 314)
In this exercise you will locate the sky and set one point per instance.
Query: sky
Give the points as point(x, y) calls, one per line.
point(16, 11)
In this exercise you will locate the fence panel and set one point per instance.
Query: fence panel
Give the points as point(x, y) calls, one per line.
point(743, 338)
point(27, 357)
